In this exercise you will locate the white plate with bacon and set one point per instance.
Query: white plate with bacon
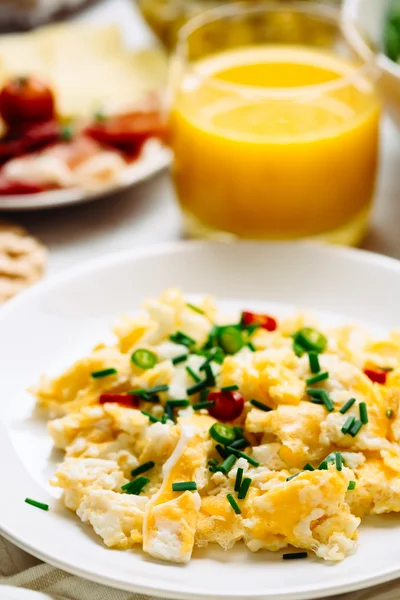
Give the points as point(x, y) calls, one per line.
point(73, 129)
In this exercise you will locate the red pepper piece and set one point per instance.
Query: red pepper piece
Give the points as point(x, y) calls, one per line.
point(264, 321)
point(228, 405)
point(129, 400)
point(376, 375)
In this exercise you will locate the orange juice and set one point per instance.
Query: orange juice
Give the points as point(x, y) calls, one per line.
point(275, 142)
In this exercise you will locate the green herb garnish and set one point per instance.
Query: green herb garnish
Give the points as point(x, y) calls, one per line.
point(260, 405)
point(234, 504)
point(144, 359)
point(37, 504)
point(104, 373)
point(143, 468)
point(184, 486)
point(244, 488)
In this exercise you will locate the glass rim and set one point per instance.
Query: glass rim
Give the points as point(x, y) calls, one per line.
point(323, 11)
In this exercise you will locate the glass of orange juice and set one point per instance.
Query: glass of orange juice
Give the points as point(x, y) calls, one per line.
point(274, 125)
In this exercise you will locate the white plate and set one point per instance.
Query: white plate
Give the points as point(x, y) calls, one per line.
point(145, 167)
point(45, 328)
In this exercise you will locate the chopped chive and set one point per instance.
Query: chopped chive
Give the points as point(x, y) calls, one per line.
point(387, 369)
point(212, 465)
point(178, 403)
point(215, 355)
point(184, 486)
point(292, 476)
point(363, 413)
point(182, 339)
point(251, 346)
point(348, 425)
point(241, 454)
point(227, 465)
point(323, 466)
point(179, 359)
point(143, 468)
point(136, 486)
point(240, 443)
point(244, 488)
point(230, 388)
point(294, 555)
point(144, 359)
point(355, 428)
point(260, 405)
point(210, 379)
point(234, 504)
point(389, 413)
point(347, 406)
point(197, 387)
point(317, 401)
point(330, 407)
point(308, 467)
point(206, 404)
point(317, 378)
point(315, 392)
point(204, 395)
point(151, 417)
point(339, 461)
point(169, 412)
point(352, 485)
point(238, 480)
point(37, 504)
point(223, 452)
point(314, 362)
point(223, 434)
point(195, 308)
point(150, 391)
point(192, 374)
point(104, 373)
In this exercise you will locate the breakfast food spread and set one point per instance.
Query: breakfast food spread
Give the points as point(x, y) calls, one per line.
point(197, 428)
point(67, 123)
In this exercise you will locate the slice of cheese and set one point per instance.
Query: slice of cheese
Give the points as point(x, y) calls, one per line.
point(88, 67)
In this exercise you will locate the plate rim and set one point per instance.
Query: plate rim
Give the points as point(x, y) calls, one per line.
point(134, 254)
point(153, 165)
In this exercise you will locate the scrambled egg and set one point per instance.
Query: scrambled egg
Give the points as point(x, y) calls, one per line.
point(191, 430)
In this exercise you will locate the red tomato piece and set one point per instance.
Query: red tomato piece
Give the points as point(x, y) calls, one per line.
point(264, 321)
point(26, 99)
point(128, 132)
point(124, 399)
point(228, 405)
point(376, 375)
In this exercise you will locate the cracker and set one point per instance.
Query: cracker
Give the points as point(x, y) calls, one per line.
point(22, 260)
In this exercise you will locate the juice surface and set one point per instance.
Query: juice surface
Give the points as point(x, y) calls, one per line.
point(268, 143)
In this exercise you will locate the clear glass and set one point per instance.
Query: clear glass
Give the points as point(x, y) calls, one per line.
point(274, 125)
point(166, 17)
